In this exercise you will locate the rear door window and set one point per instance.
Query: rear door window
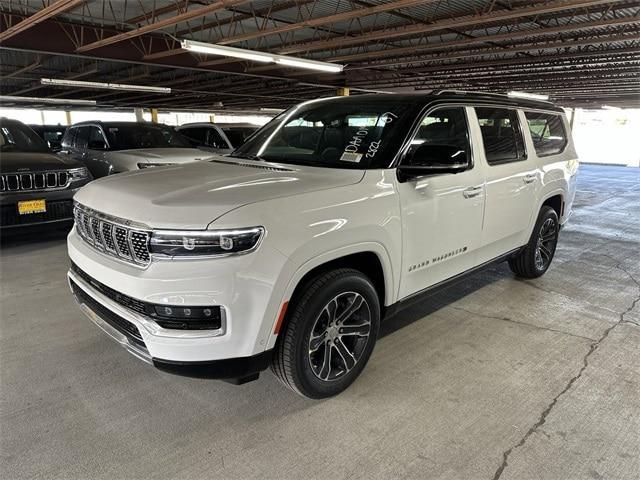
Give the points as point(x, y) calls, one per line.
point(547, 133)
point(197, 135)
point(215, 140)
point(501, 135)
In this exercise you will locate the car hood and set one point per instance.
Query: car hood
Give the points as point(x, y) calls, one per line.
point(162, 155)
point(193, 195)
point(13, 162)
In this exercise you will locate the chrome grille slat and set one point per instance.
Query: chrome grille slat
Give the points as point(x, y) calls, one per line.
point(35, 181)
point(113, 237)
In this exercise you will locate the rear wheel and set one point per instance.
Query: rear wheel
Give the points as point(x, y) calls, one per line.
point(330, 334)
point(535, 259)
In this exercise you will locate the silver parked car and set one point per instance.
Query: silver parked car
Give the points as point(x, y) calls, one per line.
point(218, 138)
point(113, 147)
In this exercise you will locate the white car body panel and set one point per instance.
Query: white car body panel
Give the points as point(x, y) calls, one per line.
point(422, 231)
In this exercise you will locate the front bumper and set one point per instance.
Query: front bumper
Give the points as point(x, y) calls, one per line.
point(246, 288)
point(118, 322)
point(59, 209)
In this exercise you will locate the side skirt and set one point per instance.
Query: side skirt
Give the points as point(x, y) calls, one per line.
point(434, 289)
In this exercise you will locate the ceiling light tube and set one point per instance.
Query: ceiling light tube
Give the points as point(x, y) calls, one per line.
point(65, 101)
point(103, 86)
point(257, 56)
point(212, 49)
point(310, 64)
point(531, 96)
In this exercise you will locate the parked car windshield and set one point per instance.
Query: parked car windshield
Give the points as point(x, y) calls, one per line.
point(134, 136)
point(336, 133)
point(15, 137)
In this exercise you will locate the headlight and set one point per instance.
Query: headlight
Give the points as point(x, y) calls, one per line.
point(150, 165)
point(212, 242)
point(81, 173)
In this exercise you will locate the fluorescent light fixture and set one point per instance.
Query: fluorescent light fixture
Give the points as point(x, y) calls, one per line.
point(212, 49)
point(256, 56)
point(310, 64)
point(530, 96)
point(103, 86)
point(609, 107)
point(271, 110)
point(65, 101)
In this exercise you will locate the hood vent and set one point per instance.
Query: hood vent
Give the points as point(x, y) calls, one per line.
point(251, 165)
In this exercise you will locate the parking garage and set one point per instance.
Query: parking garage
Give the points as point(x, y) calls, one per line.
point(217, 185)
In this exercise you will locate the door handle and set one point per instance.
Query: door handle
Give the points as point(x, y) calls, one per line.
point(529, 178)
point(472, 192)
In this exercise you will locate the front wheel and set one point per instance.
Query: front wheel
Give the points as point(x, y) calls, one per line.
point(330, 334)
point(535, 259)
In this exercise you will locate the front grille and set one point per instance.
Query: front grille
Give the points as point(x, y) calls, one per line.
point(113, 236)
point(124, 326)
point(57, 210)
point(30, 182)
point(150, 309)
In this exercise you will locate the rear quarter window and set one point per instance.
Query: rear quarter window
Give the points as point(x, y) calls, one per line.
point(547, 132)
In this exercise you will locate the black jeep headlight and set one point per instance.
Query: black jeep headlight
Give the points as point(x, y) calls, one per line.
point(175, 243)
point(152, 165)
point(78, 173)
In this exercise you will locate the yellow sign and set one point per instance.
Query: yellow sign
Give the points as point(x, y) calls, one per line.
point(32, 206)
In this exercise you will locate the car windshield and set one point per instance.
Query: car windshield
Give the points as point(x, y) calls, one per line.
point(338, 133)
point(134, 136)
point(237, 135)
point(15, 137)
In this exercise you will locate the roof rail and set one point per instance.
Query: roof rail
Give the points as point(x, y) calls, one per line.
point(445, 91)
point(465, 92)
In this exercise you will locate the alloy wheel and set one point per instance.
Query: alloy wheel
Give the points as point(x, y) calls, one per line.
point(546, 244)
point(339, 336)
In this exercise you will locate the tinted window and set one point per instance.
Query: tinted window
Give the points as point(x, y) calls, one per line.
point(447, 126)
point(238, 135)
point(501, 135)
point(215, 140)
point(140, 135)
point(82, 137)
point(69, 137)
point(340, 133)
point(16, 137)
point(547, 133)
point(96, 139)
point(197, 135)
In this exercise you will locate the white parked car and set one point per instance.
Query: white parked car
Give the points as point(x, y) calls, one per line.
point(291, 251)
point(114, 147)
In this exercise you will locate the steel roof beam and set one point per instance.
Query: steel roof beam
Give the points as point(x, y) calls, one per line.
point(167, 22)
point(48, 12)
point(316, 22)
point(459, 22)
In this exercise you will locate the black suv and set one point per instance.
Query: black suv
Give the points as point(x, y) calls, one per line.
point(36, 186)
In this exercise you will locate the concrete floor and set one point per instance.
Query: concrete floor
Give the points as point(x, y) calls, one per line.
point(495, 378)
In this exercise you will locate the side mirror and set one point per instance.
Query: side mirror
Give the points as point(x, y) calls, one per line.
point(96, 145)
point(433, 160)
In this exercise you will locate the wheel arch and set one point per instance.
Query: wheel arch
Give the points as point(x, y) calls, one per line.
point(370, 258)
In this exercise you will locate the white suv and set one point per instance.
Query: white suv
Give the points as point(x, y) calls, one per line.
point(291, 251)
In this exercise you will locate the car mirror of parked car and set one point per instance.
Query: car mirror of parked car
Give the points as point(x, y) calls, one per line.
point(429, 159)
point(96, 145)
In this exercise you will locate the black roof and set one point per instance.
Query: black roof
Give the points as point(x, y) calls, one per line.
point(452, 96)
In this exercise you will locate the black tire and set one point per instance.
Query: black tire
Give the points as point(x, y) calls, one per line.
point(535, 258)
point(297, 364)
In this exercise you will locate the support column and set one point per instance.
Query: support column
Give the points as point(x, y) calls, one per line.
point(212, 118)
point(343, 92)
point(68, 115)
point(139, 113)
point(154, 115)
